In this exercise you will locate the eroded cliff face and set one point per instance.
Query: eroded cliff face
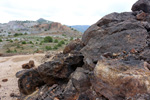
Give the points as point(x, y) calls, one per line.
point(111, 62)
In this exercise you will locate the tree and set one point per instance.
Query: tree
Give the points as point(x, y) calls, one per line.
point(48, 39)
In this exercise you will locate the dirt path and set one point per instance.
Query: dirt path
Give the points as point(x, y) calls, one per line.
point(8, 68)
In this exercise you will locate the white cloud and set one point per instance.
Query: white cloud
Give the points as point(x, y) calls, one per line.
point(69, 12)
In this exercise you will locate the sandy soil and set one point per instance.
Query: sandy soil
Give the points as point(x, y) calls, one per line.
point(8, 68)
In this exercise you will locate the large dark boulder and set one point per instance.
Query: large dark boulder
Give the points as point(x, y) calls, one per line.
point(143, 5)
point(100, 28)
point(29, 82)
point(60, 67)
point(79, 82)
point(123, 36)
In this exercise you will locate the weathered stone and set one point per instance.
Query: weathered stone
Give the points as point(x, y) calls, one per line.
point(29, 81)
point(78, 83)
point(60, 67)
point(141, 16)
point(123, 36)
point(28, 65)
point(121, 79)
point(143, 5)
point(20, 73)
point(75, 45)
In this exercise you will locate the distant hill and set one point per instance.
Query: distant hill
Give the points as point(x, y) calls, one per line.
point(40, 26)
point(41, 21)
point(80, 28)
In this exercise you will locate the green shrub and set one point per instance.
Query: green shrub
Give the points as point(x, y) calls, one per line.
point(48, 39)
point(11, 41)
point(1, 40)
point(25, 33)
point(59, 44)
point(55, 47)
point(71, 38)
point(16, 39)
point(63, 35)
point(17, 34)
point(55, 41)
point(8, 50)
point(18, 46)
point(48, 48)
point(62, 42)
point(41, 42)
point(23, 42)
point(15, 51)
point(31, 42)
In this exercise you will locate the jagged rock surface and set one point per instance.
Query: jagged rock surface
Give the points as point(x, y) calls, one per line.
point(29, 81)
point(112, 62)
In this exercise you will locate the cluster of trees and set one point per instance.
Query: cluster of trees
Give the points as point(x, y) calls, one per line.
point(19, 34)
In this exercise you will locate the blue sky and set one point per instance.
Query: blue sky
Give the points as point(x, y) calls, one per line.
point(69, 12)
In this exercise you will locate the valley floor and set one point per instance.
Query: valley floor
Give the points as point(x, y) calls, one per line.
point(8, 68)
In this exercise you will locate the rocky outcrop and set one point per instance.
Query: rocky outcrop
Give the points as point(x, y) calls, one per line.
point(143, 5)
point(111, 62)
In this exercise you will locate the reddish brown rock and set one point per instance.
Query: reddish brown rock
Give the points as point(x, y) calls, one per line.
point(28, 65)
point(118, 80)
point(4, 80)
point(141, 16)
point(75, 45)
point(29, 81)
point(61, 66)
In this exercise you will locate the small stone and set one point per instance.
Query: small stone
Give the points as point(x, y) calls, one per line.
point(12, 95)
point(4, 80)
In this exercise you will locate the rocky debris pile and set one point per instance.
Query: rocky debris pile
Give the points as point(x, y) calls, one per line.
point(111, 62)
